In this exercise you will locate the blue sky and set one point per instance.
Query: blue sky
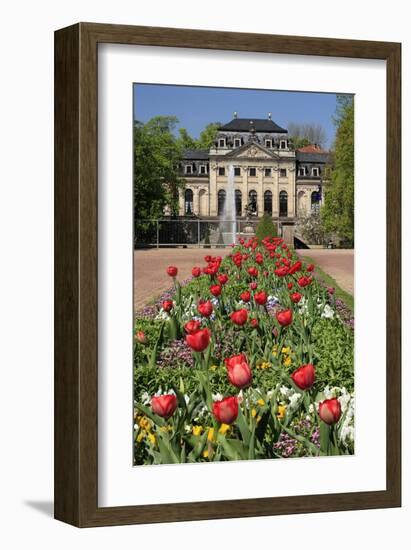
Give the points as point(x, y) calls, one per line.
point(195, 107)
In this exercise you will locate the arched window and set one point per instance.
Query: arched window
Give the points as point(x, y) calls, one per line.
point(283, 203)
point(188, 202)
point(221, 202)
point(252, 201)
point(238, 200)
point(268, 203)
point(315, 201)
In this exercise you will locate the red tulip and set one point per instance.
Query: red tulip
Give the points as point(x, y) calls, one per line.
point(226, 410)
point(253, 285)
point(164, 405)
point(304, 281)
point(281, 271)
point(330, 411)
point(215, 290)
point(239, 317)
point(222, 279)
point(304, 376)
point(172, 271)
point(198, 341)
point(310, 267)
point(254, 323)
point(207, 258)
point(290, 286)
point(141, 337)
point(252, 271)
point(196, 271)
point(259, 258)
point(238, 371)
point(167, 305)
point(205, 308)
point(330, 290)
point(285, 317)
point(295, 267)
point(192, 326)
point(245, 296)
point(295, 297)
point(260, 297)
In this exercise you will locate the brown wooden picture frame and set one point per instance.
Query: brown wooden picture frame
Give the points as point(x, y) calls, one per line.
point(76, 310)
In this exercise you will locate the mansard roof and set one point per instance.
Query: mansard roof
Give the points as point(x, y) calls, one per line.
point(247, 124)
point(195, 154)
point(312, 153)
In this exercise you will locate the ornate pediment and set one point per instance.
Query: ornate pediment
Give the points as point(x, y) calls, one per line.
point(252, 151)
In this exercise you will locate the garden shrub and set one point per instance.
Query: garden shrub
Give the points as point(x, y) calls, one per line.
point(266, 228)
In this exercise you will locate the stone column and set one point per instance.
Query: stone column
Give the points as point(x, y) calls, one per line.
point(181, 202)
point(213, 190)
point(196, 202)
point(292, 191)
point(276, 175)
point(260, 192)
point(244, 188)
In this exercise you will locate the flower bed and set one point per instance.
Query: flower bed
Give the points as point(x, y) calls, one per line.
point(251, 358)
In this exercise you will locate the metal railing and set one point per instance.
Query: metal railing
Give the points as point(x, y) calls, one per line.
point(202, 233)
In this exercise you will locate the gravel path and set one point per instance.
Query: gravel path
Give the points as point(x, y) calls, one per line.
point(339, 264)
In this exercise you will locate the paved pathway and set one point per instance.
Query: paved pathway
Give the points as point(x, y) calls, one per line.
point(339, 264)
point(150, 277)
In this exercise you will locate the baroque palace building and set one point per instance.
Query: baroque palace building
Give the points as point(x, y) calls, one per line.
point(269, 174)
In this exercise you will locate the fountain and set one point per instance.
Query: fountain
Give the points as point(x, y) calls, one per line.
point(228, 224)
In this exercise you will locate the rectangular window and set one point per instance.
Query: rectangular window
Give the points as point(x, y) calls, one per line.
point(221, 142)
point(315, 172)
point(237, 171)
point(252, 172)
point(283, 172)
point(267, 172)
point(221, 171)
point(237, 142)
point(301, 171)
point(189, 169)
point(268, 143)
point(203, 169)
point(283, 144)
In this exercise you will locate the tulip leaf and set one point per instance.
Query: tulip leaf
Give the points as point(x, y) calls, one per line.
point(152, 416)
point(243, 427)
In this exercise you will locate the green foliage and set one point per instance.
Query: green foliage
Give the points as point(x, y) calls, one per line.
point(185, 140)
point(338, 211)
point(266, 228)
point(208, 135)
point(157, 154)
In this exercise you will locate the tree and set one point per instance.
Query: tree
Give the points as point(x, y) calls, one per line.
point(157, 155)
point(338, 211)
point(306, 134)
point(266, 228)
point(311, 228)
point(185, 140)
point(208, 135)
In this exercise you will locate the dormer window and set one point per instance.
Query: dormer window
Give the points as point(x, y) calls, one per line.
point(189, 169)
point(315, 172)
point(268, 143)
point(283, 144)
point(203, 169)
point(237, 142)
point(301, 171)
point(221, 142)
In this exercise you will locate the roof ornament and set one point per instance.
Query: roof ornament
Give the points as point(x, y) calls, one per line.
point(235, 114)
point(269, 116)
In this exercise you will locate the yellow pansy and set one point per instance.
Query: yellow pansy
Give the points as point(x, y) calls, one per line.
point(253, 413)
point(286, 350)
point(287, 361)
point(144, 423)
point(210, 435)
point(205, 453)
point(140, 437)
point(198, 430)
point(281, 411)
point(224, 428)
point(261, 402)
point(152, 438)
point(214, 367)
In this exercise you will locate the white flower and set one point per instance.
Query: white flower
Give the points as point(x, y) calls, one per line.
point(328, 312)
